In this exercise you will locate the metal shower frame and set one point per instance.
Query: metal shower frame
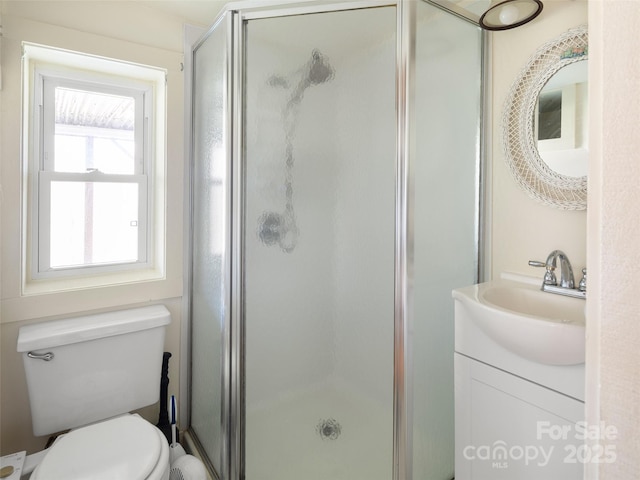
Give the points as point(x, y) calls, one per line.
point(235, 15)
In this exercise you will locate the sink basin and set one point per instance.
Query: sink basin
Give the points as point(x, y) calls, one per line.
point(539, 326)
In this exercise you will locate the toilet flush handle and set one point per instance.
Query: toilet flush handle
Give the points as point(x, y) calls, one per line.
point(47, 357)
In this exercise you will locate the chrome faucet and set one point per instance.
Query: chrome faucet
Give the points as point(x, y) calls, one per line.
point(566, 272)
point(566, 286)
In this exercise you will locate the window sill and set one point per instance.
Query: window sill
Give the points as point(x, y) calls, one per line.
point(43, 299)
point(70, 283)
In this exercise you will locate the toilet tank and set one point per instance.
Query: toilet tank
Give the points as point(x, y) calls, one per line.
point(99, 366)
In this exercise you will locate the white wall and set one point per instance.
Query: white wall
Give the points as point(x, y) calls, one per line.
point(123, 30)
point(523, 229)
point(613, 328)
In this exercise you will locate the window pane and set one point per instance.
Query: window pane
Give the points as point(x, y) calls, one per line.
point(94, 130)
point(93, 223)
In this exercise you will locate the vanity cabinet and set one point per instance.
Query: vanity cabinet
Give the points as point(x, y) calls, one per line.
point(516, 418)
point(513, 429)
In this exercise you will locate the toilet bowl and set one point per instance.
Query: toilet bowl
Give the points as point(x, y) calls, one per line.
point(86, 374)
point(123, 448)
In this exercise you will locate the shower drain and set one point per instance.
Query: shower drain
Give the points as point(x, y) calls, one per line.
point(328, 429)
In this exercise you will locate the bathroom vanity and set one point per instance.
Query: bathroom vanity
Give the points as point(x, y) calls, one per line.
point(519, 383)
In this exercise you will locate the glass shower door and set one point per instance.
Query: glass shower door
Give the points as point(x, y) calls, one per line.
point(307, 317)
point(318, 245)
point(210, 220)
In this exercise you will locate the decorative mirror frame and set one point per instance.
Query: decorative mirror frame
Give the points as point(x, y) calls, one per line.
point(519, 144)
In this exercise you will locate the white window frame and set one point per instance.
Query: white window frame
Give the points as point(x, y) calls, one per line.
point(44, 69)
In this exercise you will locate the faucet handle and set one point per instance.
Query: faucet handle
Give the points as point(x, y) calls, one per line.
point(536, 263)
point(549, 276)
point(582, 286)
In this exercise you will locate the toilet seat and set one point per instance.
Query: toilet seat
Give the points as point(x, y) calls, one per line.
point(123, 448)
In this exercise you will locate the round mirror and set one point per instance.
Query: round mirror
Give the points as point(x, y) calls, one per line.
point(545, 123)
point(561, 122)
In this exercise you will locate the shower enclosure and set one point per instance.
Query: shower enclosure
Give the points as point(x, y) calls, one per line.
point(335, 205)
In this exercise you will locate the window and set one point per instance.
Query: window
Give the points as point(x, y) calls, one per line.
point(94, 154)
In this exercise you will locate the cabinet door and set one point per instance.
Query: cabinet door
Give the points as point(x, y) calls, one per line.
point(512, 429)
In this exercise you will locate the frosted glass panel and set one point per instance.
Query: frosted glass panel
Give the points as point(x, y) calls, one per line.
point(447, 122)
point(208, 313)
point(319, 246)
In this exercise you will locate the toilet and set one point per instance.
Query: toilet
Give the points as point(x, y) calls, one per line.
point(86, 374)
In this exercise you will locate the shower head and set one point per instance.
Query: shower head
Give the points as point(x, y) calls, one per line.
point(316, 71)
point(319, 71)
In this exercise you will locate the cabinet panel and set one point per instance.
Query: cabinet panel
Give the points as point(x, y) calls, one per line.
point(509, 428)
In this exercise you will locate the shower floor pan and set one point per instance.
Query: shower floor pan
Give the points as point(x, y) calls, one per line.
point(332, 433)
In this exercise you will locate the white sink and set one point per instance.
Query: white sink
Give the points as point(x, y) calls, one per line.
point(539, 326)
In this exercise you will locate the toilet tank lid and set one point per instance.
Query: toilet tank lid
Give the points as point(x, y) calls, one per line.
point(56, 333)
